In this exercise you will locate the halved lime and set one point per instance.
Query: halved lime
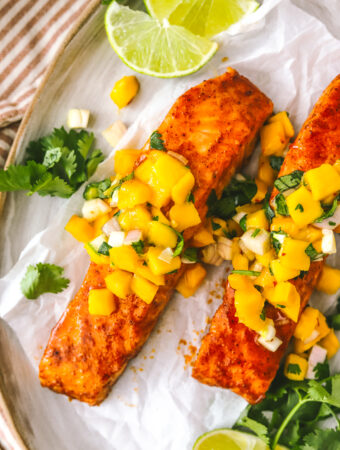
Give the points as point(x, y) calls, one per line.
point(202, 17)
point(226, 439)
point(153, 47)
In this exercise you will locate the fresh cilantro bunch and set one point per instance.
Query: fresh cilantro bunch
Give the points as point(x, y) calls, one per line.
point(55, 165)
point(237, 193)
point(43, 278)
point(293, 411)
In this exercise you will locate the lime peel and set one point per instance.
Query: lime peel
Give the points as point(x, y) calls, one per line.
point(224, 438)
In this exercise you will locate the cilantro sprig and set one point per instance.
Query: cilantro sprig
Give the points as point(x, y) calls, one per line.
point(43, 278)
point(56, 165)
point(293, 411)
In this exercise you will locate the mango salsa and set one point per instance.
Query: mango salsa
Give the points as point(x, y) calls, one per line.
point(119, 283)
point(329, 280)
point(265, 279)
point(96, 257)
point(322, 181)
point(124, 91)
point(137, 218)
point(202, 238)
point(182, 188)
point(295, 367)
point(145, 272)
point(258, 219)
point(292, 254)
point(282, 273)
point(286, 123)
point(125, 161)
point(191, 280)
point(331, 344)
point(159, 267)
point(101, 302)
point(266, 173)
point(124, 258)
point(80, 229)
point(273, 138)
point(286, 297)
point(143, 288)
point(184, 216)
point(249, 305)
point(307, 323)
point(133, 193)
point(302, 207)
point(238, 281)
point(161, 235)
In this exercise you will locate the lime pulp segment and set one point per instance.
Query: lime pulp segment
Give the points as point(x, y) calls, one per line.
point(155, 47)
point(224, 438)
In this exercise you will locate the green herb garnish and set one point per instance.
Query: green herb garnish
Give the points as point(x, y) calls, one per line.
point(156, 141)
point(294, 368)
point(299, 207)
point(43, 278)
point(328, 212)
point(281, 205)
point(312, 253)
point(155, 218)
point(255, 232)
point(249, 273)
point(276, 162)
point(56, 165)
point(243, 223)
point(97, 189)
point(215, 226)
point(190, 198)
point(180, 243)
point(276, 243)
point(270, 214)
point(104, 249)
point(289, 181)
point(191, 254)
point(138, 246)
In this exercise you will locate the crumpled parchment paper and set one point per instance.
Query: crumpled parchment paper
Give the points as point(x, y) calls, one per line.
point(288, 53)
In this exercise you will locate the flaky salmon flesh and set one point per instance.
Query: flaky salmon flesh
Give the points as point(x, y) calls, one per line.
point(230, 356)
point(214, 126)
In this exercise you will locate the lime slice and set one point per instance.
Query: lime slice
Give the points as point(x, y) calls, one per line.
point(153, 47)
point(202, 17)
point(224, 438)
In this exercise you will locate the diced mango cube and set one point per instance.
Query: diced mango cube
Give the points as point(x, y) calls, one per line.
point(302, 207)
point(232, 229)
point(202, 238)
point(309, 233)
point(137, 218)
point(292, 254)
point(307, 323)
point(240, 262)
point(282, 273)
point(322, 181)
point(284, 119)
point(238, 281)
point(96, 257)
point(119, 283)
point(258, 219)
point(184, 216)
point(321, 330)
point(143, 288)
point(248, 208)
point(124, 91)
point(182, 188)
point(191, 280)
point(249, 305)
point(99, 223)
point(266, 259)
point(133, 193)
point(158, 215)
point(295, 367)
point(161, 235)
point(331, 344)
point(125, 161)
point(265, 279)
point(145, 272)
point(286, 297)
point(329, 280)
point(286, 224)
point(159, 267)
point(266, 173)
point(124, 258)
point(80, 229)
point(145, 171)
point(261, 192)
point(217, 226)
point(101, 302)
point(273, 139)
point(168, 171)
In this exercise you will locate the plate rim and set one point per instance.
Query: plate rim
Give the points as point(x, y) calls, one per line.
point(10, 436)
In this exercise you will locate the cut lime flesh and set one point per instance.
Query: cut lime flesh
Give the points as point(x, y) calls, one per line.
point(224, 438)
point(155, 48)
point(202, 17)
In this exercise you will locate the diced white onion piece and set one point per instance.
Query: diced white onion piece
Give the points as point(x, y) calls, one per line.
point(260, 244)
point(94, 208)
point(272, 345)
point(256, 267)
point(187, 261)
point(210, 255)
point(224, 246)
point(314, 334)
point(334, 219)
point(166, 255)
point(278, 236)
point(328, 244)
point(111, 225)
point(97, 242)
point(78, 118)
point(249, 254)
point(269, 332)
point(316, 356)
point(114, 133)
point(116, 238)
point(240, 177)
point(237, 218)
point(179, 157)
point(114, 199)
point(132, 236)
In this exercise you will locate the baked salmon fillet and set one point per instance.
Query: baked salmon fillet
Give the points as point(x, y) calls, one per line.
point(214, 126)
point(230, 356)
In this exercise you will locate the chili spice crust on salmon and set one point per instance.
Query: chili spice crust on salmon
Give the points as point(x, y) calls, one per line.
point(214, 126)
point(230, 356)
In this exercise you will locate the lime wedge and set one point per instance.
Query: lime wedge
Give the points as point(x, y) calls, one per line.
point(202, 17)
point(224, 438)
point(155, 48)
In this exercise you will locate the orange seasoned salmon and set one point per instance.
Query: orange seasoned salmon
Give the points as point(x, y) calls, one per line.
point(230, 356)
point(214, 126)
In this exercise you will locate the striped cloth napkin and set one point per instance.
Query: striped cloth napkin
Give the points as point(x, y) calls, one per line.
point(31, 32)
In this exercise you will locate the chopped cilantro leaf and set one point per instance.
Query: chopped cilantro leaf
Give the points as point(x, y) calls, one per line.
point(155, 218)
point(191, 254)
point(289, 181)
point(243, 223)
point(321, 370)
point(215, 225)
point(280, 306)
point(156, 141)
point(312, 253)
point(281, 205)
point(97, 189)
point(270, 214)
point(331, 223)
point(294, 368)
point(263, 314)
point(229, 234)
point(190, 198)
point(250, 273)
point(104, 249)
point(255, 232)
point(180, 243)
point(328, 212)
point(138, 246)
point(276, 162)
point(299, 207)
point(43, 278)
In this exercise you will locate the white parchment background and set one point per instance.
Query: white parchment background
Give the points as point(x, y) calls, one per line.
point(291, 55)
